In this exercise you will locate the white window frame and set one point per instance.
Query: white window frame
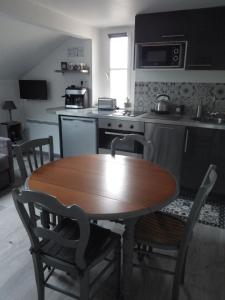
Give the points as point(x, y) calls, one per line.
point(129, 63)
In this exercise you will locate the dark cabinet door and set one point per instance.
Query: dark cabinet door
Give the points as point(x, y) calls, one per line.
point(219, 47)
point(218, 158)
point(196, 158)
point(158, 27)
point(203, 32)
point(202, 148)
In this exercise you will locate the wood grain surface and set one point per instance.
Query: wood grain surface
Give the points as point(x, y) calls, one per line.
point(106, 186)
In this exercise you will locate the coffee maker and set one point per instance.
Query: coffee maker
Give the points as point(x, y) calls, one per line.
point(76, 97)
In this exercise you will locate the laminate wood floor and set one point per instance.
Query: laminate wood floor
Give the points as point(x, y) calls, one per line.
point(205, 273)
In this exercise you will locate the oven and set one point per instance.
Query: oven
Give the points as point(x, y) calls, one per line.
point(108, 129)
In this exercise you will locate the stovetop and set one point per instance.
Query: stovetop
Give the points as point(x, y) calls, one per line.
point(127, 113)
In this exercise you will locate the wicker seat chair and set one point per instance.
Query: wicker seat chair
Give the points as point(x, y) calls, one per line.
point(159, 231)
point(74, 245)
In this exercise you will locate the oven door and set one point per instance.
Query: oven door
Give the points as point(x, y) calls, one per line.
point(129, 148)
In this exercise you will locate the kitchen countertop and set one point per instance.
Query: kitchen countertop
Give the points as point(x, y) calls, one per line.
point(184, 120)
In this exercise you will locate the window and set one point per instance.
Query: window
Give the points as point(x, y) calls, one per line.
point(118, 67)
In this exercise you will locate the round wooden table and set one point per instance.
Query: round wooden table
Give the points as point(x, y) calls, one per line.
point(107, 187)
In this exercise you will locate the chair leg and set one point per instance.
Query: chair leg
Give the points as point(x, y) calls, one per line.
point(39, 276)
point(183, 269)
point(84, 286)
point(179, 274)
point(118, 270)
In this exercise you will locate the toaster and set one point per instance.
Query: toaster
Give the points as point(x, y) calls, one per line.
point(105, 103)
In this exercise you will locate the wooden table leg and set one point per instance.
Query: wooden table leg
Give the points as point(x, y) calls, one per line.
point(128, 245)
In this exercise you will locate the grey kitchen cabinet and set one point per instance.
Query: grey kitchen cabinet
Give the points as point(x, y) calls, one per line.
point(202, 148)
point(203, 29)
point(204, 42)
point(168, 144)
point(160, 27)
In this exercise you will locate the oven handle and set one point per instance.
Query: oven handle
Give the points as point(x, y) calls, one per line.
point(115, 133)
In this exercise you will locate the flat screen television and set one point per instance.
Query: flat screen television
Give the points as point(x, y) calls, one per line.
point(33, 89)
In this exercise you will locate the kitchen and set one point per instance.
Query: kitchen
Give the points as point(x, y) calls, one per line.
point(185, 91)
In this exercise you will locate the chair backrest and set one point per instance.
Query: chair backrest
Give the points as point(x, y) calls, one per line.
point(37, 232)
point(201, 196)
point(148, 147)
point(32, 151)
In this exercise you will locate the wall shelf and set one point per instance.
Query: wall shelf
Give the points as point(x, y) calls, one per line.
point(84, 71)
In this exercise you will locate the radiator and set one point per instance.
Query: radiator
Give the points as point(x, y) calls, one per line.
point(36, 129)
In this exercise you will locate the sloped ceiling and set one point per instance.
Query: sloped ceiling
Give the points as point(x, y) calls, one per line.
point(22, 46)
point(105, 13)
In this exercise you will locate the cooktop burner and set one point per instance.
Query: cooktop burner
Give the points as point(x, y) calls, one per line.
point(128, 113)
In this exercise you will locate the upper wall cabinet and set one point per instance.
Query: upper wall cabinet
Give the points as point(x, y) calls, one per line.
point(203, 29)
point(204, 41)
point(169, 26)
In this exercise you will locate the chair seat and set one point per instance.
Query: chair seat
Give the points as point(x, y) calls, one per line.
point(4, 162)
point(161, 229)
point(100, 240)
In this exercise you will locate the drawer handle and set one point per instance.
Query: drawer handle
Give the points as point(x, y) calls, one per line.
point(200, 65)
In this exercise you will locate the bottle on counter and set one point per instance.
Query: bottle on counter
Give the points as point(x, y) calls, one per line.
point(199, 111)
point(127, 104)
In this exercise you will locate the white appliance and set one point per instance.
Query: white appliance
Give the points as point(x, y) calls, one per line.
point(105, 103)
point(78, 136)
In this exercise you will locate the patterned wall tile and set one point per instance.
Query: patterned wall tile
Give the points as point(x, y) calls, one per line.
point(211, 95)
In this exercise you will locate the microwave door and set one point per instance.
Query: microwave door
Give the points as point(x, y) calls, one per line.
point(157, 56)
point(161, 55)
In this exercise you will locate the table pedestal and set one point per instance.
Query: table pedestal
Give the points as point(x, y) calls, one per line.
point(128, 248)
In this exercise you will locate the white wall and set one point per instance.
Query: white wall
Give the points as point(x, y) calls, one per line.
point(57, 82)
point(9, 91)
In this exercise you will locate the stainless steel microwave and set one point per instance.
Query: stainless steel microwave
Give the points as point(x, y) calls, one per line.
point(160, 55)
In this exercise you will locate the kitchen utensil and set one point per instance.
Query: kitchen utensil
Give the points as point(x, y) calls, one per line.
point(161, 105)
point(198, 112)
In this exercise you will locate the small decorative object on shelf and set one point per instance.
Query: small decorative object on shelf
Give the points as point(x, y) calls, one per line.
point(63, 65)
point(72, 67)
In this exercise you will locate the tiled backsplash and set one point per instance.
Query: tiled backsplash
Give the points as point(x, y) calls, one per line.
point(188, 93)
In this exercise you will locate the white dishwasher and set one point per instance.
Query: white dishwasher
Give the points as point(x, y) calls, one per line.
point(78, 136)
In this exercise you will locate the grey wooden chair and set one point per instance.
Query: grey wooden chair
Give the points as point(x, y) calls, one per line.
point(74, 245)
point(160, 231)
point(30, 156)
point(32, 152)
point(148, 147)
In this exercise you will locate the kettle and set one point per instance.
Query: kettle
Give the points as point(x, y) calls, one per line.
point(161, 104)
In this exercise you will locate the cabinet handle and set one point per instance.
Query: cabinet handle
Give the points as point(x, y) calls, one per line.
point(186, 141)
point(172, 35)
point(65, 119)
point(200, 65)
point(115, 133)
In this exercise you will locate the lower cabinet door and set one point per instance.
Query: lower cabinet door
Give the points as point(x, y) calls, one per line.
point(196, 158)
point(203, 147)
point(168, 144)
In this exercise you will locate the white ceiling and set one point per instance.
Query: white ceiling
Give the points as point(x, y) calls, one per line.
point(106, 13)
point(23, 46)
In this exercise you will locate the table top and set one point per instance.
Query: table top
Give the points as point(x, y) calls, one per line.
point(105, 186)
